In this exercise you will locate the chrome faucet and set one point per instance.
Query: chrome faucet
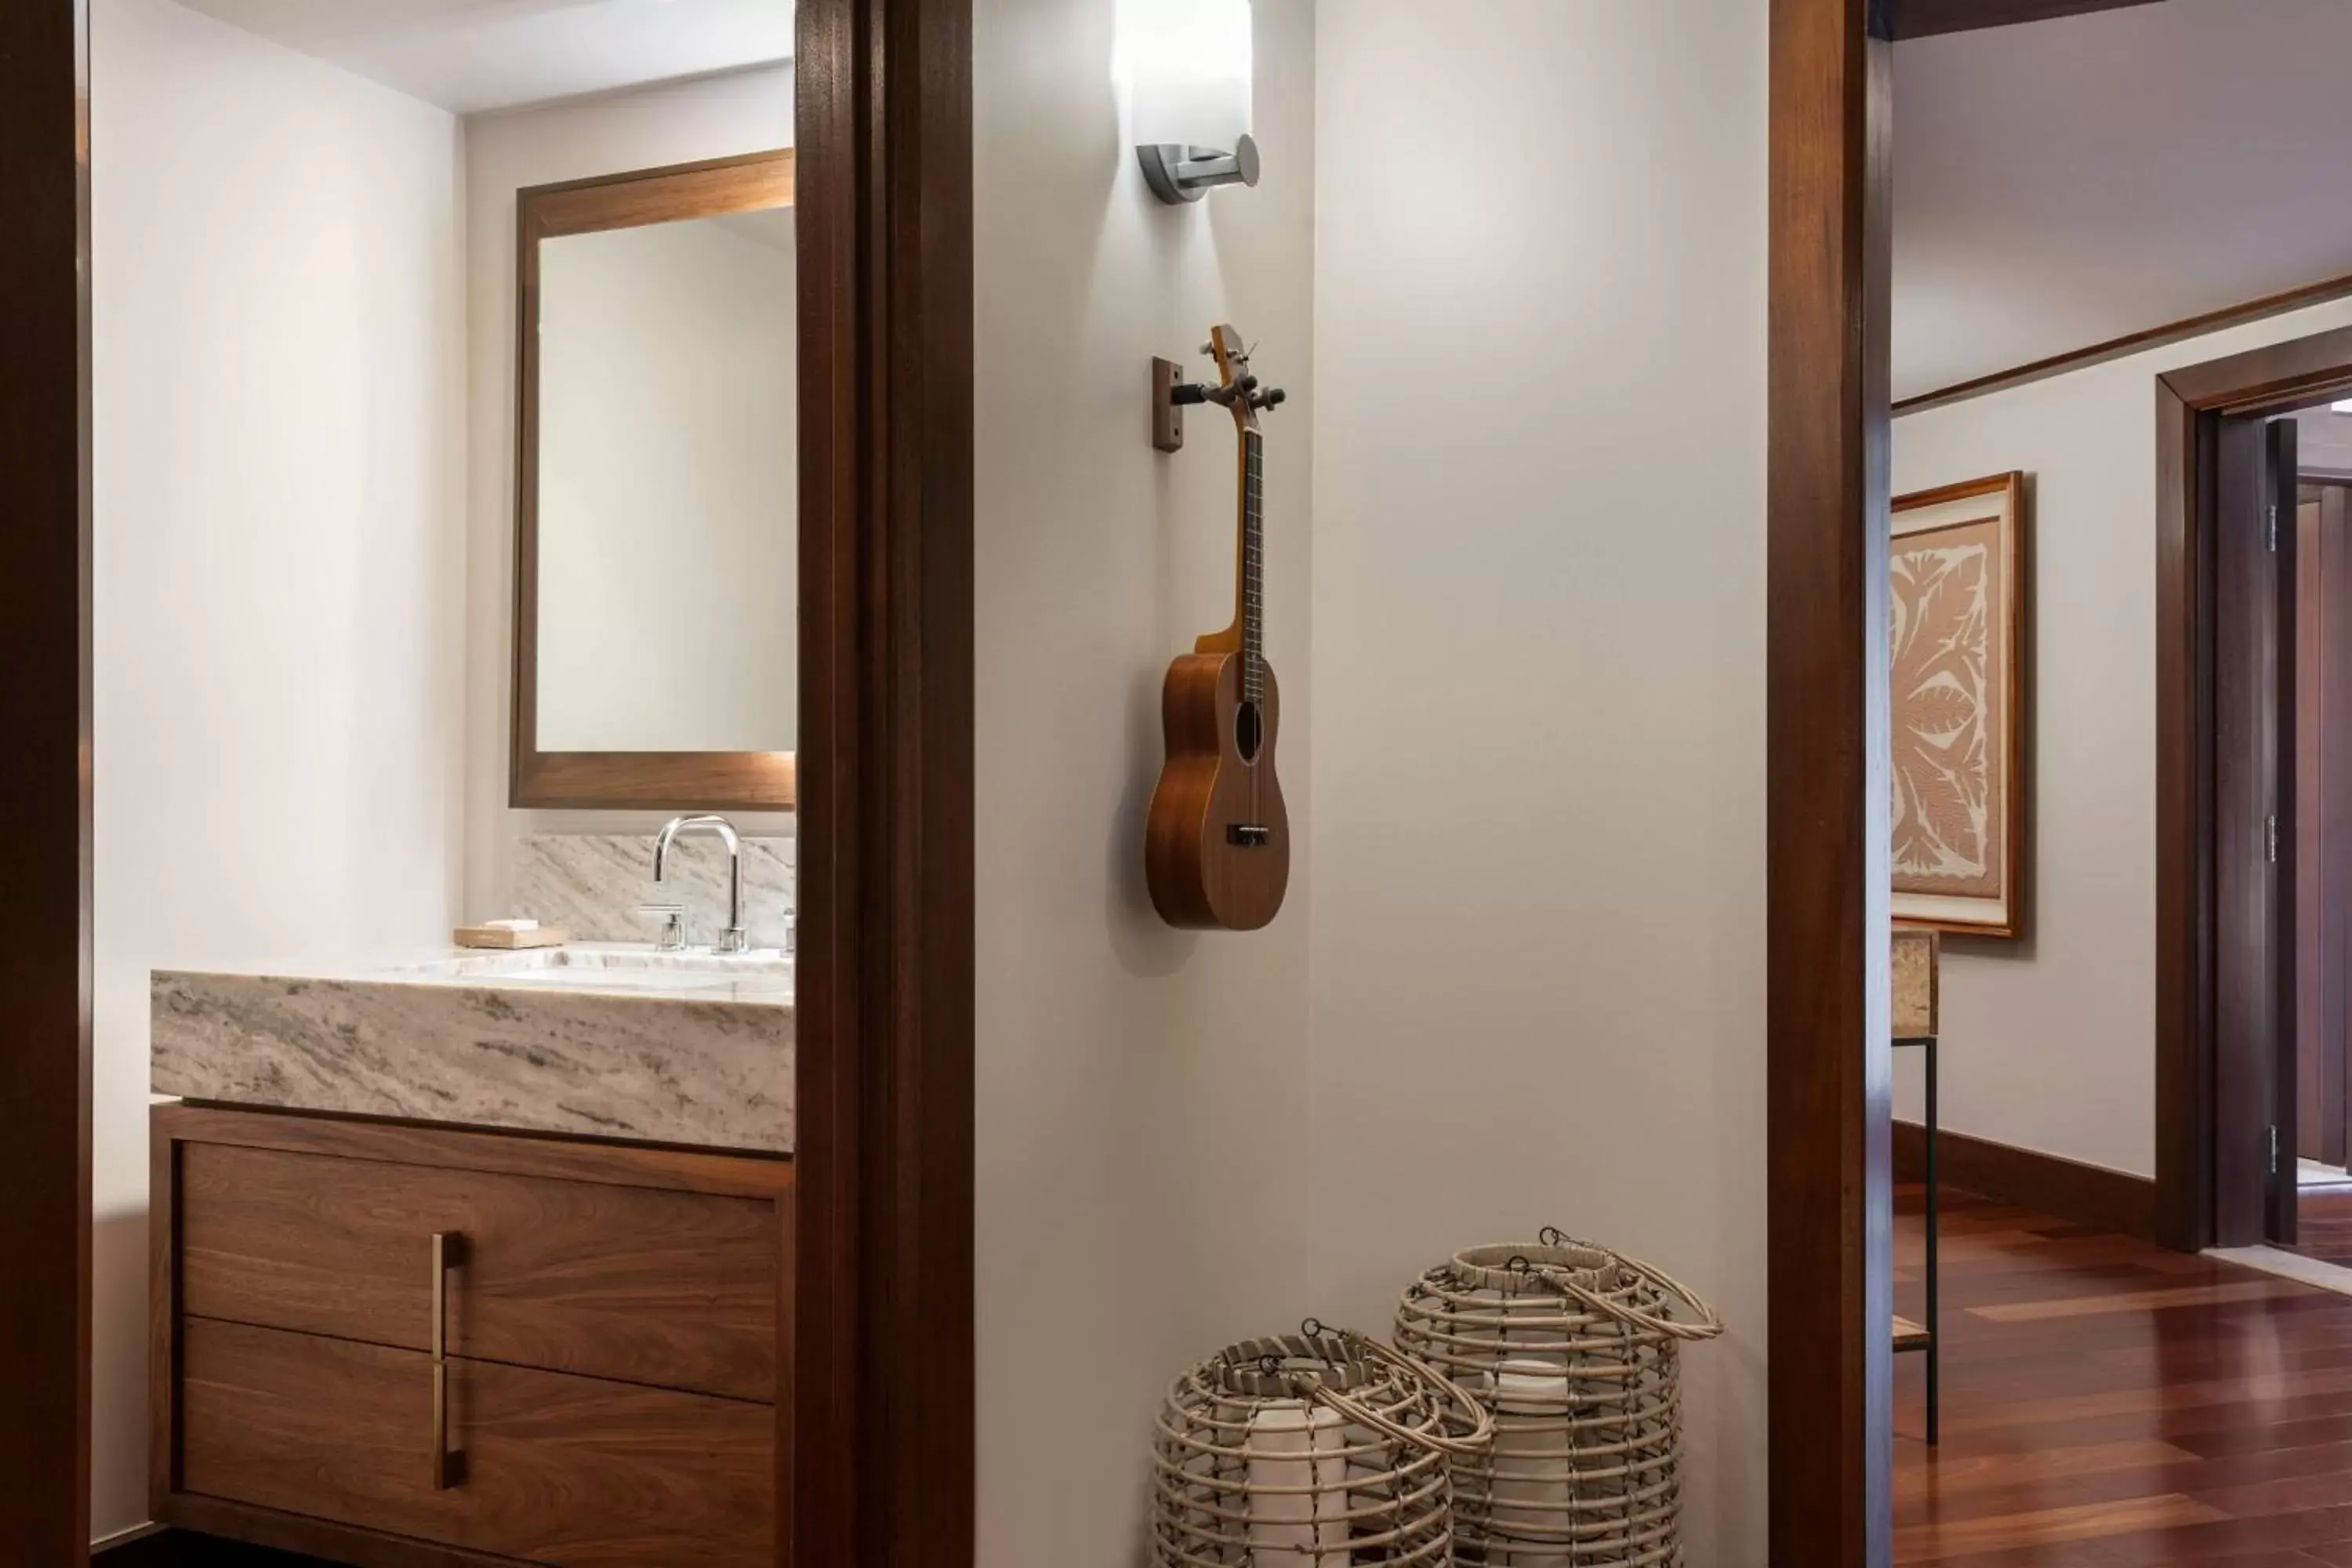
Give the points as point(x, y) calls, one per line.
point(735, 938)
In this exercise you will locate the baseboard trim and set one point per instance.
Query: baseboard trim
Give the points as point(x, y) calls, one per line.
point(2068, 1189)
point(149, 1546)
point(161, 1546)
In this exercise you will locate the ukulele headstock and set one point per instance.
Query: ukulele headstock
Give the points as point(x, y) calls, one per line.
point(1239, 389)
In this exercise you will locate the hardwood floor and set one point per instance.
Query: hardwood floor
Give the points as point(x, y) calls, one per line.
point(2109, 1404)
point(2324, 1224)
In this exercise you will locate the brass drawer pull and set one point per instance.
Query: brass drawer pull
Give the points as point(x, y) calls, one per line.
point(448, 1252)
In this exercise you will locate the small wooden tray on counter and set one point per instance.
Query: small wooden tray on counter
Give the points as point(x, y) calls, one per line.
point(499, 939)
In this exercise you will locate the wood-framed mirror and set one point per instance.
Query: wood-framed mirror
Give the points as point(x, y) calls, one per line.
point(657, 544)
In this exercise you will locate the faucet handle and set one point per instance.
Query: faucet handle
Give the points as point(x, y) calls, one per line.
point(673, 918)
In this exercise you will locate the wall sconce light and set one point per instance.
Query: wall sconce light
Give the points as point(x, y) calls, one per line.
point(1189, 66)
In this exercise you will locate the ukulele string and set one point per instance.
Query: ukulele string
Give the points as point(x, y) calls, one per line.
point(1253, 590)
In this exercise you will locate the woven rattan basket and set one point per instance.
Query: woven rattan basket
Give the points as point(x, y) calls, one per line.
point(1575, 1351)
point(1320, 1449)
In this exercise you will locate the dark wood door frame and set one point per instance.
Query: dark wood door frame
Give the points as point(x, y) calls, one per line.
point(45, 795)
point(885, 1452)
point(2190, 403)
point(1828, 1061)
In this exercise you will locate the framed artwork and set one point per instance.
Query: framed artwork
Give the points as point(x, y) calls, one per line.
point(1956, 602)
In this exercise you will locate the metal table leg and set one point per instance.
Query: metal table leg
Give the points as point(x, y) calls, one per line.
point(1927, 1338)
point(1935, 1324)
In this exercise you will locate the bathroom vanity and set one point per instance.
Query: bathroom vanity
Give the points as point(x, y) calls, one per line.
point(488, 1258)
point(417, 1303)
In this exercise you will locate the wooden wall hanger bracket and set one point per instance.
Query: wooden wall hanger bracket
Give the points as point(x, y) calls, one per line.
point(1172, 395)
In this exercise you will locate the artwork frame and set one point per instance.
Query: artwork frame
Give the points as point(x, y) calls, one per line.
point(1957, 607)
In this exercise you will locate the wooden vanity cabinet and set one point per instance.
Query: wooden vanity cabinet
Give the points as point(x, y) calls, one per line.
point(411, 1347)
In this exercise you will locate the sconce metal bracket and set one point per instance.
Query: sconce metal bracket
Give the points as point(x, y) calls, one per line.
point(1181, 174)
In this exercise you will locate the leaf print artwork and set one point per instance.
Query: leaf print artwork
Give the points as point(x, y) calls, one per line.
point(1947, 684)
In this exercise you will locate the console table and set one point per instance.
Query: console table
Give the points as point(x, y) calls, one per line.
point(1917, 959)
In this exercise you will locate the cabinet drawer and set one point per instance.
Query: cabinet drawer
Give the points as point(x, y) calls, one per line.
point(673, 1288)
point(553, 1468)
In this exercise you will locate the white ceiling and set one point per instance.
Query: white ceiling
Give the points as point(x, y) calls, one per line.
point(2059, 184)
point(469, 56)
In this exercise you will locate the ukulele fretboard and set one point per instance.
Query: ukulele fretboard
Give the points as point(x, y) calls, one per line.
point(1252, 567)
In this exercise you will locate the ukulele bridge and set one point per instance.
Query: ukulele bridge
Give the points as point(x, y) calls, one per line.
point(1248, 835)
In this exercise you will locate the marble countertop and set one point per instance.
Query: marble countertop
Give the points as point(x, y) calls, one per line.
point(605, 1041)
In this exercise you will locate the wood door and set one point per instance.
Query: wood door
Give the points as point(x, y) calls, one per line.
point(2322, 847)
point(2253, 865)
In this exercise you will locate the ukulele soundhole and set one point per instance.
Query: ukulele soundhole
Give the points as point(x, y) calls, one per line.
point(1249, 730)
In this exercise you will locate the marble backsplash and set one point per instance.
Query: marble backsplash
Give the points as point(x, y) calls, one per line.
point(590, 884)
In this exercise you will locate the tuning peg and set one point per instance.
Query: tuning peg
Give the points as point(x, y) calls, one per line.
point(1209, 349)
point(1274, 398)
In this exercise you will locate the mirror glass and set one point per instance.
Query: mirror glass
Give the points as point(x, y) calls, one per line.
point(657, 539)
point(667, 477)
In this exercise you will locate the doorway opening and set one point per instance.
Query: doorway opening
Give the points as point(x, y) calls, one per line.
point(2222, 962)
point(2280, 1095)
point(2249, 907)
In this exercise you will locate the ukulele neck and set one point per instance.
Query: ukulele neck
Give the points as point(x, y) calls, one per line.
point(1253, 566)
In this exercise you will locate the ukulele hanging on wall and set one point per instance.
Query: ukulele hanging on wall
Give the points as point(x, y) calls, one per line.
point(1217, 843)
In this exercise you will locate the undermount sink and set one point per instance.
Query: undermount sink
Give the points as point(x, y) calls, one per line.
point(640, 968)
point(669, 980)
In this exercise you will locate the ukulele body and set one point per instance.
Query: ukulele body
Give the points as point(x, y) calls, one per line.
point(1217, 843)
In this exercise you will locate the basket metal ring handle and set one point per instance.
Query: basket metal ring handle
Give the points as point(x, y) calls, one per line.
point(1482, 1425)
point(1707, 1325)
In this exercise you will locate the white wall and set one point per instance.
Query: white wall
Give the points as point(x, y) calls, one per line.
point(1537, 822)
point(683, 123)
point(280, 560)
point(669, 480)
point(1142, 1092)
point(2052, 1040)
